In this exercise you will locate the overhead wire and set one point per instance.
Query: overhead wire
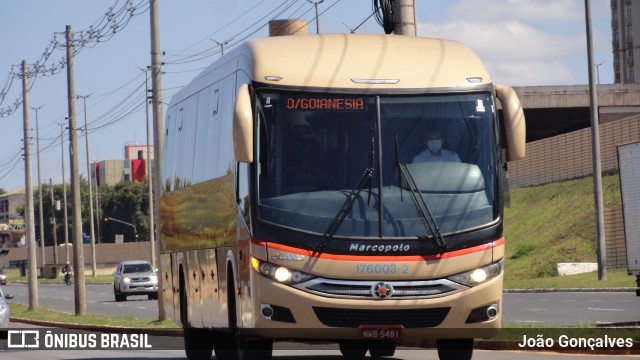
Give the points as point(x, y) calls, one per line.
point(214, 50)
point(106, 27)
point(124, 108)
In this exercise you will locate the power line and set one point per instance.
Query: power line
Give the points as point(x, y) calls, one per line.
point(112, 22)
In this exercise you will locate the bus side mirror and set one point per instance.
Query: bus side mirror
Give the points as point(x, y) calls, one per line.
point(514, 123)
point(243, 126)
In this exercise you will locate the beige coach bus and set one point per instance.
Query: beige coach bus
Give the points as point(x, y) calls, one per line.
point(342, 188)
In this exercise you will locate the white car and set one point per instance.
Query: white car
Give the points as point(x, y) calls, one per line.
point(4, 313)
point(136, 277)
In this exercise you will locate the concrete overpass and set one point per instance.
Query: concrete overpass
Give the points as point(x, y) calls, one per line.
point(555, 110)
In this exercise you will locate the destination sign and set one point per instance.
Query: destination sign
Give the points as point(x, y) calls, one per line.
point(322, 103)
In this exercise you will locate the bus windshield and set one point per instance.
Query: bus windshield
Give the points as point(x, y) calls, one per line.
point(403, 154)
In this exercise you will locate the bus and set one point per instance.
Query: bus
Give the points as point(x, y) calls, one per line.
point(295, 204)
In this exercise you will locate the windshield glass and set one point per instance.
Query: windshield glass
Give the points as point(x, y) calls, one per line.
point(137, 268)
point(315, 149)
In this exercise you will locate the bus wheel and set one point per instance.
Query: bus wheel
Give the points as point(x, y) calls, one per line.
point(197, 344)
point(382, 348)
point(353, 349)
point(455, 349)
point(224, 345)
point(254, 348)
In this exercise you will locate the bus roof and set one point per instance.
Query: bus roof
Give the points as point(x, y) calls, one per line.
point(344, 60)
point(348, 61)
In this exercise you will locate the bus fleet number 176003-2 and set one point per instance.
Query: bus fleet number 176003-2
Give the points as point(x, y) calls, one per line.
point(381, 269)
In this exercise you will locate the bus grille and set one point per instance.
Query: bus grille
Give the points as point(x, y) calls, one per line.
point(353, 318)
point(364, 289)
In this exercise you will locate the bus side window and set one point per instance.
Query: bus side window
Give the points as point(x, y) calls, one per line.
point(242, 190)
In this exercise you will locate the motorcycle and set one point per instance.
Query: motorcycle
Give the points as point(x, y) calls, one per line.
point(67, 278)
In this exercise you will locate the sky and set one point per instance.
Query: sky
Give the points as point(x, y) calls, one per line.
point(522, 42)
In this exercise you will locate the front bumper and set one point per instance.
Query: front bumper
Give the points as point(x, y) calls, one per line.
point(299, 314)
point(139, 288)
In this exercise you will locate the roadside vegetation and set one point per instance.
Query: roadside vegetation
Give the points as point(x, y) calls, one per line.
point(44, 314)
point(555, 223)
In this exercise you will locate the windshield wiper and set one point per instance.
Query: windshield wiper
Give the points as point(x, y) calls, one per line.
point(334, 225)
point(423, 209)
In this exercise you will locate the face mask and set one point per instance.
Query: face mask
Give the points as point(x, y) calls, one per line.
point(434, 145)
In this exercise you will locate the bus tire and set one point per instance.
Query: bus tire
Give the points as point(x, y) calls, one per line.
point(197, 344)
point(455, 349)
point(353, 349)
point(254, 348)
point(224, 345)
point(382, 348)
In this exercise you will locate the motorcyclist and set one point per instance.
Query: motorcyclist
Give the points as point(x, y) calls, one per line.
point(67, 270)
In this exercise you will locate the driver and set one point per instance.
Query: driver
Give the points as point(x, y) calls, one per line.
point(435, 150)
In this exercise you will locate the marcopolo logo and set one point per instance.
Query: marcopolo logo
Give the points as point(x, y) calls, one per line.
point(379, 248)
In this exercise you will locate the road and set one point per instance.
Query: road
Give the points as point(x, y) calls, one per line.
point(282, 351)
point(571, 308)
point(291, 355)
point(100, 300)
point(538, 309)
point(543, 309)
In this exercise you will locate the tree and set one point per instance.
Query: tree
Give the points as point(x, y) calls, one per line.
point(125, 201)
point(129, 202)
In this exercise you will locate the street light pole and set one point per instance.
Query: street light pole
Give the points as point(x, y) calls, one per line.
point(91, 229)
point(315, 4)
point(601, 250)
point(64, 197)
point(221, 44)
point(149, 177)
point(42, 249)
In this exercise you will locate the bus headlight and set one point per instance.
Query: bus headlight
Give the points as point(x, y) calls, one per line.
point(479, 275)
point(279, 273)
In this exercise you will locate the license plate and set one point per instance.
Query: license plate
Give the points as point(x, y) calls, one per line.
point(382, 332)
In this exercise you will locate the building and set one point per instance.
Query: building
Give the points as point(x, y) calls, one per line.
point(132, 168)
point(9, 204)
point(625, 33)
point(11, 224)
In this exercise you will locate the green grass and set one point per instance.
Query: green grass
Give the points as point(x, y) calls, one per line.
point(13, 275)
point(43, 314)
point(554, 223)
point(616, 278)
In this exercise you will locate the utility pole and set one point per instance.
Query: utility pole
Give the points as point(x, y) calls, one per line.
point(28, 213)
point(53, 222)
point(601, 250)
point(42, 248)
point(315, 4)
point(64, 197)
point(158, 127)
point(404, 17)
point(78, 257)
point(92, 232)
point(149, 171)
point(98, 212)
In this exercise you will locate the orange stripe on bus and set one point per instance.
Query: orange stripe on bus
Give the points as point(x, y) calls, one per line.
point(451, 254)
